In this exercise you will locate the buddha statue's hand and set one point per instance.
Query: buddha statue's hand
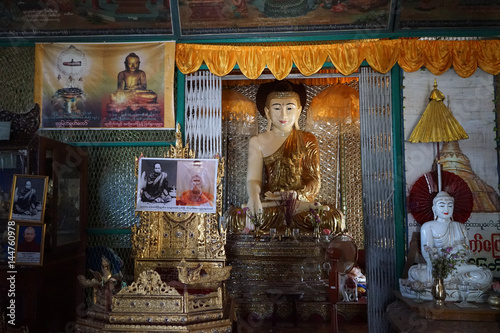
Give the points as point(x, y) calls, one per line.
point(277, 196)
point(254, 204)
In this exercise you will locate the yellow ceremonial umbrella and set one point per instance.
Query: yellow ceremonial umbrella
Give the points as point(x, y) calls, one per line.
point(437, 123)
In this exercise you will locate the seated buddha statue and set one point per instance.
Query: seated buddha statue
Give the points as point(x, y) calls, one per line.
point(291, 161)
point(444, 233)
point(132, 84)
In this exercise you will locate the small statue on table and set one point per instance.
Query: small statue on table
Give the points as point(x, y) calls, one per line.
point(103, 284)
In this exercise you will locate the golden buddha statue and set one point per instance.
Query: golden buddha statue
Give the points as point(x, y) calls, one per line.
point(291, 160)
point(132, 84)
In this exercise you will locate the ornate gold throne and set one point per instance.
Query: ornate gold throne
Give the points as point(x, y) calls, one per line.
point(179, 269)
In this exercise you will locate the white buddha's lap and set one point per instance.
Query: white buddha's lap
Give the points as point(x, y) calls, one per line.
point(467, 272)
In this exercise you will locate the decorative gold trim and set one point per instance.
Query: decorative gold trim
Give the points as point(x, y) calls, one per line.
point(149, 283)
point(150, 305)
point(179, 151)
point(88, 326)
point(192, 276)
point(166, 318)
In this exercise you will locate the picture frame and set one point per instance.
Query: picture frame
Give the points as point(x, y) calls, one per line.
point(452, 14)
point(27, 19)
point(177, 185)
point(30, 242)
point(29, 196)
point(166, 183)
point(216, 18)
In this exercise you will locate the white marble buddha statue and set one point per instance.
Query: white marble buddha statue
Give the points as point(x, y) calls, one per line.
point(442, 233)
point(290, 158)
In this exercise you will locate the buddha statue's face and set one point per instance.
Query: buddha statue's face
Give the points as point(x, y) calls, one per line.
point(132, 63)
point(443, 208)
point(283, 112)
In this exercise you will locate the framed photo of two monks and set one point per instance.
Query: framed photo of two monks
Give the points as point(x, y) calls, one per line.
point(26, 214)
point(177, 185)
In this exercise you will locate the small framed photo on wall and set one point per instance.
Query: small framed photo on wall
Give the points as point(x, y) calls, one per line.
point(29, 194)
point(30, 239)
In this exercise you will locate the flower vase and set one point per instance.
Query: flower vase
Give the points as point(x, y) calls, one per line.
point(316, 233)
point(439, 291)
point(494, 301)
point(257, 232)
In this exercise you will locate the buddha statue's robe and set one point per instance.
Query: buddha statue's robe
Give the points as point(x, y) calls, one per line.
point(132, 89)
point(136, 80)
point(294, 166)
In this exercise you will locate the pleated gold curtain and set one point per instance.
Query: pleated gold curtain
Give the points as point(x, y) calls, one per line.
point(411, 54)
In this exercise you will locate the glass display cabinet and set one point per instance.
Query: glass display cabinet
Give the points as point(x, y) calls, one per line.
point(48, 295)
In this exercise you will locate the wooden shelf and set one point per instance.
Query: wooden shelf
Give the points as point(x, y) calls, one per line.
point(450, 311)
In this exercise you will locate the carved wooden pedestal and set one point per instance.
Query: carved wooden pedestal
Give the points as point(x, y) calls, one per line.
point(260, 265)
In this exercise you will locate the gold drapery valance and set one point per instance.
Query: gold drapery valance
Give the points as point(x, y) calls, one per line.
point(465, 56)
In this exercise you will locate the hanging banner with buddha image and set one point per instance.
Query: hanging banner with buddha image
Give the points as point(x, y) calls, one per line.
point(108, 85)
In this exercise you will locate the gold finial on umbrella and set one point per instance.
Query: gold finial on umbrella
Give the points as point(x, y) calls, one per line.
point(437, 123)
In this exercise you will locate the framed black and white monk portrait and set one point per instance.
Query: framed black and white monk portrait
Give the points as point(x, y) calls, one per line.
point(29, 194)
point(156, 184)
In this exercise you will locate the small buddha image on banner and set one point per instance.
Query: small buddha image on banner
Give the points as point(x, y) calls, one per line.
point(107, 85)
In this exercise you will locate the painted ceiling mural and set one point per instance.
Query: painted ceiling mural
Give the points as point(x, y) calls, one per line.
point(224, 18)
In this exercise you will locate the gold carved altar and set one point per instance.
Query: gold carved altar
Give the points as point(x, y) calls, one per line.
point(179, 272)
point(261, 264)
